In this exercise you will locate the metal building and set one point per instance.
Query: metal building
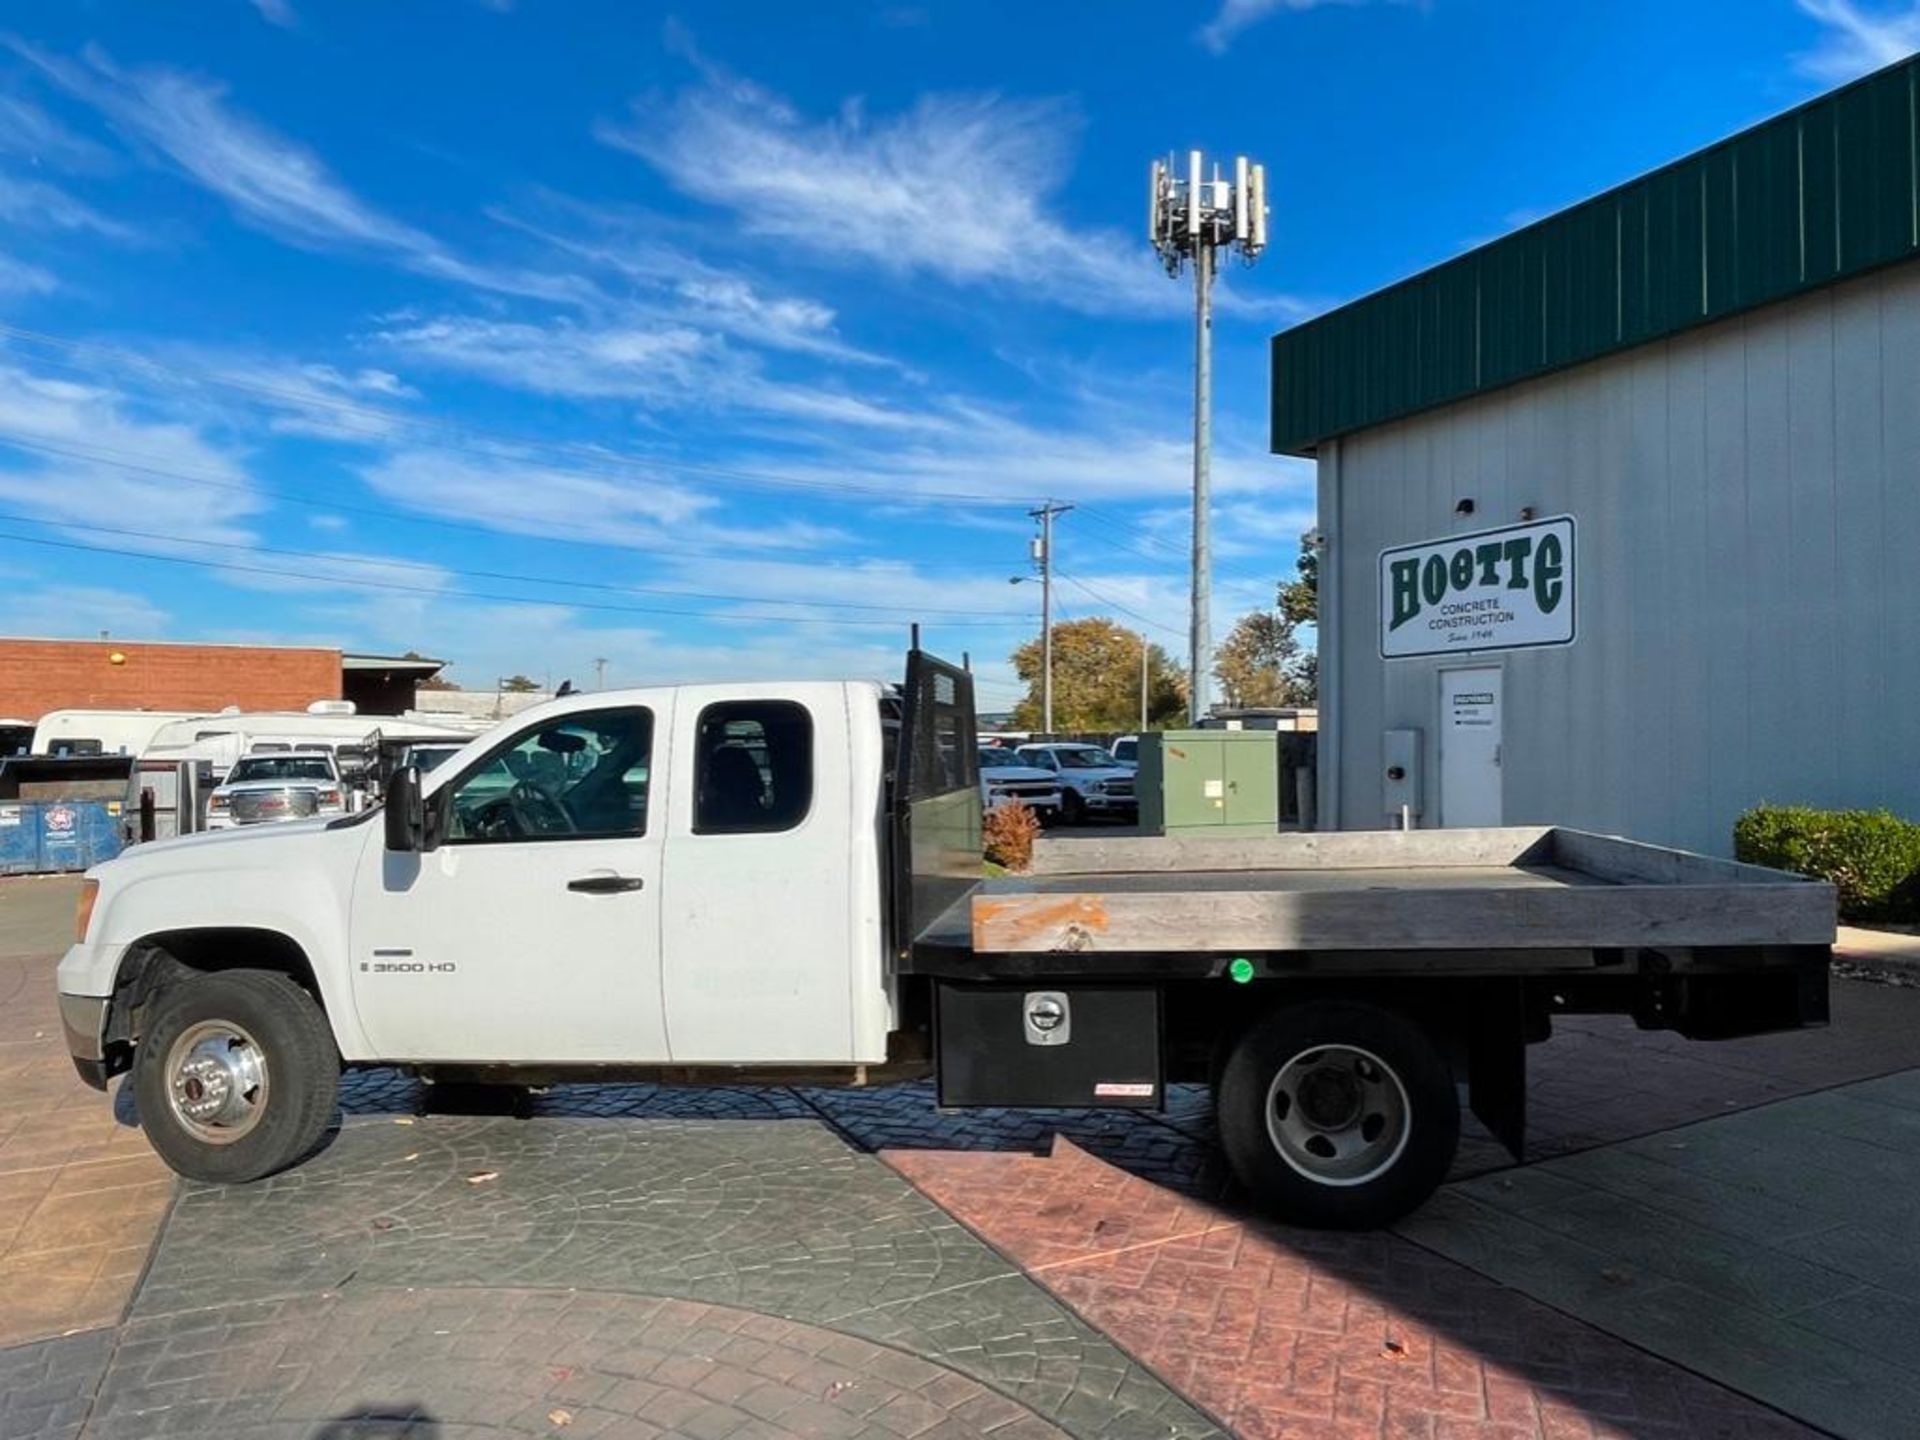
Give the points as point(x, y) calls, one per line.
point(1621, 512)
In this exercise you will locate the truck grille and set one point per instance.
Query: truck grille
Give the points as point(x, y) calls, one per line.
point(1120, 789)
point(254, 807)
point(1022, 789)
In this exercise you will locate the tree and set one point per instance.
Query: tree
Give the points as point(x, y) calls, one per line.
point(436, 681)
point(1299, 598)
point(519, 685)
point(1299, 602)
point(1096, 679)
point(1256, 663)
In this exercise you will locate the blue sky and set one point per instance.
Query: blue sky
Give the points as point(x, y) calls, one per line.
point(723, 340)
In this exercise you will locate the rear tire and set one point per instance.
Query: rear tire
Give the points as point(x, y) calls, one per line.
point(1337, 1114)
point(236, 1077)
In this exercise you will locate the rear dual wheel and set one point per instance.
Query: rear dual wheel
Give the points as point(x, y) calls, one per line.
point(1338, 1114)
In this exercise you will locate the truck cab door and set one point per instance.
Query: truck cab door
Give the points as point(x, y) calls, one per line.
point(763, 875)
point(531, 932)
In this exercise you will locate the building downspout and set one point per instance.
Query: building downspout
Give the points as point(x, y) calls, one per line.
point(1328, 637)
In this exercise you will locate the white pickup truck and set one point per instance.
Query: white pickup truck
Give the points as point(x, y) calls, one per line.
point(778, 883)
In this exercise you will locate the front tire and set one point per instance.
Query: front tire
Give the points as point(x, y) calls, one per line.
point(1337, 1114)
point(236, 1077)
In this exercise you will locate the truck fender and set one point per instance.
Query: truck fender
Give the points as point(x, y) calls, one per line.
point(294, 927)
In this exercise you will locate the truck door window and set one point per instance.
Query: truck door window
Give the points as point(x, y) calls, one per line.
point(579, 777)
point(753, 767)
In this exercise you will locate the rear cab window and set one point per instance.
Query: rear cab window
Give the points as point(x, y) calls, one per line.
point(753, 767)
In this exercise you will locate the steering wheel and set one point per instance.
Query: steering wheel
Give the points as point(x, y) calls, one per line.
point(538, 813)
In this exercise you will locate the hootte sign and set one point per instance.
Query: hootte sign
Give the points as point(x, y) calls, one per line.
point(1507, 589)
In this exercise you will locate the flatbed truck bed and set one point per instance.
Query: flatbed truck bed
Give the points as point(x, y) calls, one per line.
point(1507, 901)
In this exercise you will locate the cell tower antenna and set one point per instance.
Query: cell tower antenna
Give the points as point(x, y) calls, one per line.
point(1189, 220)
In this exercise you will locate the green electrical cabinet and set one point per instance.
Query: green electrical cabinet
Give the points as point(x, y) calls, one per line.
point(1209, 782)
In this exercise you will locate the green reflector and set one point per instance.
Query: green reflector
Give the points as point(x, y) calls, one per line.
point(1241, 970)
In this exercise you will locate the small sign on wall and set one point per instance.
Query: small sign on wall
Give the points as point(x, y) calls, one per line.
point(1506, 589)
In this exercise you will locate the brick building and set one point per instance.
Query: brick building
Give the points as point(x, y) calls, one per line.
point(41, 675)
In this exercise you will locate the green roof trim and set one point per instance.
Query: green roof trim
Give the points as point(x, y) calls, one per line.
point(1821, 193)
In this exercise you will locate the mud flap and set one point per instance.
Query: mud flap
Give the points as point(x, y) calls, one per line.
point(1497, 1063)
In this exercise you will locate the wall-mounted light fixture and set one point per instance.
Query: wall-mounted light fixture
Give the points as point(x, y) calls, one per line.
point(1464, 505)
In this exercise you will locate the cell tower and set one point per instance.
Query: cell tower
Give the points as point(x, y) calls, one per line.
point(1189, 218)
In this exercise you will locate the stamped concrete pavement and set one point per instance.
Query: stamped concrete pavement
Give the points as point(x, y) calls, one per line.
point(81, 1195)
point(615, 1259)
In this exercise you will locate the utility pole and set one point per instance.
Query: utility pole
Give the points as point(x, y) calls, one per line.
point(1189, 220)
point(1043, 557)
point(600, 672)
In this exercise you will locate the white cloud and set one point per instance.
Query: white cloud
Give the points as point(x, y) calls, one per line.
point(616, 507)
point(1234, 16)
point(321, 401)
point(67, 433)
point(28, 132)
point(56, 609)
point(1858, 39)
point(40, 205)
point(269, 180)
point(17, 277)
point(667, 280)
point(86, 461)
point(276, 12)
point(655, 364)
point(957, 187)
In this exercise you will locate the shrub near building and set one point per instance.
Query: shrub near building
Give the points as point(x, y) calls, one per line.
point(1872, 857)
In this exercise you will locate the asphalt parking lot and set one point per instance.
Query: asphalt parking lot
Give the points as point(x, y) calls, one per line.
point(1707, 1240)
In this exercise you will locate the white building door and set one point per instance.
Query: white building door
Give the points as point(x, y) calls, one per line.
point(1470, 716)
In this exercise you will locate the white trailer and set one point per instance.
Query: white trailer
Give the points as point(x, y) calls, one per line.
point(101, 732)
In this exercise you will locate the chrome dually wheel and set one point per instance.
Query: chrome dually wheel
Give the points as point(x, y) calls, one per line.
point(1338, 1114)
point(235, 1074)
point(217, 1081)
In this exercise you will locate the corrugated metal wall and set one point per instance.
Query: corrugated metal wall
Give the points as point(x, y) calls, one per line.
point(1826, 191)
point(1748, 500)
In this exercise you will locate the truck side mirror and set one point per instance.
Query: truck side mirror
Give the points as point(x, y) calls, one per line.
point(406, 813)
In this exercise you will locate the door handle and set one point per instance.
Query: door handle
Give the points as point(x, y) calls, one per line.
point(606, 884)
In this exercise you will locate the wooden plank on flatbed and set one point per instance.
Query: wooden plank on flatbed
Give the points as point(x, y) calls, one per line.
point(1490, 917)
point(1631, 862)
point(1331, 849)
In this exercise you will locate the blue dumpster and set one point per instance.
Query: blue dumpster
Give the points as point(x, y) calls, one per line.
point(19, 838)
point(76, 833)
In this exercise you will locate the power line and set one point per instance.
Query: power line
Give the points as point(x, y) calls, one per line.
point(395, 563)
point(1111, 603)
point(1172, 553)
point(441, 594)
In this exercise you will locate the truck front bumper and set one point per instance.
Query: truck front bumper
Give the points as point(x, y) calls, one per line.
point(84, 1019)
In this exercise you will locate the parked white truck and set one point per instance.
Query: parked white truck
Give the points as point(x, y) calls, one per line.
point(747, 883)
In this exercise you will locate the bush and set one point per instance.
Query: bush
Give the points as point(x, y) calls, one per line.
point(1872, 857)
point(1009, 831)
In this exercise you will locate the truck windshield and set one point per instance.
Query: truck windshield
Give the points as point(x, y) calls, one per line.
point(1085, 757)
point(280, 767)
